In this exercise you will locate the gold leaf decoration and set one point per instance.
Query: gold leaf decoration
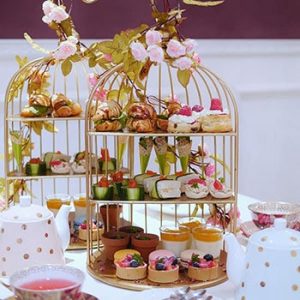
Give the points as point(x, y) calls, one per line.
point(203, 3)
point(50, 127)
point(34, 45)
point(184, 77)
point(66, 67)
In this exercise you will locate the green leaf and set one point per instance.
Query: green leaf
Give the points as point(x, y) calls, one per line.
point(184, 77)
point(66, 67)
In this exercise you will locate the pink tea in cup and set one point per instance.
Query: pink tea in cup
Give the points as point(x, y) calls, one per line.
point(47, 284)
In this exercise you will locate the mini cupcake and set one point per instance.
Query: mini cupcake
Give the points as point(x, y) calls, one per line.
point(219, 190)
point(202, 269)
point(60, 167)
point(35, 167)
point(163, 267)
point(196, 188)
point(130, 266)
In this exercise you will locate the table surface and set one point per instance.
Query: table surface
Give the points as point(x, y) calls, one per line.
point(77, 259)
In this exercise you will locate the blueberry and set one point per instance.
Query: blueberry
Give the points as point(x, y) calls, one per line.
point(175, 262)
point(134, 264)
point(208, 257)
point(160, 267)
point(196, 265)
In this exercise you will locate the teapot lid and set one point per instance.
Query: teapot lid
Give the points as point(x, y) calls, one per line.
point(277, 237)
point(25, 212)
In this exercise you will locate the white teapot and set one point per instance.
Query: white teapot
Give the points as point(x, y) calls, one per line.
point(29, 235)
point(270, 268)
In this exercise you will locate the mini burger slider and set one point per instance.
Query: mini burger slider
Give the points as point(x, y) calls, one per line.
point(64, 107)
point(39, 105)
point(141, 117)
point(108, 116)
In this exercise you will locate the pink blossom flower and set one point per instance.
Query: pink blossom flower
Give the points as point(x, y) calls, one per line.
point(108, 57)
point(156, 53)
point(231, 213)
point(101, 94)
point(196, 59)
point(175, 48)
point(65, 49)
point(191, 46)
point(58, 14)
point(153, 37)
point(138, 51)
point(210, 170)
point(48, 6)
point(183, 63)
point(93, 79)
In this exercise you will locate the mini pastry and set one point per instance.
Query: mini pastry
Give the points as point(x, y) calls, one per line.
point(96, 231)
point(39, 105)
point(185, 257)
point(203, 269)
point(60, 167)
point(103, 190)
point(217, 119)
point(78, 166)
point(106, 163)
point(130, 266)
point(35, 167)
point(141, 117)
point(185, 178)
point(64, 107)
point(50, 156)
point(166, 189)
point(196, 189)
point(186, 121)
point(145, 148)
point(173, 107)
point(218, 189)
point(108, 116)
point(149, 182)
point(175, 239)
point(133, 191)
point(163, 268)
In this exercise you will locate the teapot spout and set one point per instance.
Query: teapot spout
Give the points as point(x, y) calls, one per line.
point(236, 259)
point(62, 225)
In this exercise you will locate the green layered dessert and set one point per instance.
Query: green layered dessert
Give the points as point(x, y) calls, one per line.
point(35, 167)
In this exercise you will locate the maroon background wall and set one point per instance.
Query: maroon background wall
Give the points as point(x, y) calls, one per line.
point(234, 19)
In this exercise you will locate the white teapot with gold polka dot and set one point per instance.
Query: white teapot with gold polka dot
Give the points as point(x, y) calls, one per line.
point(270, 268)
point(29, 236)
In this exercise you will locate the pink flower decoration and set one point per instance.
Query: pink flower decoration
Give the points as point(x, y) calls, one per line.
point(153, 37)
point(138, 51)
point(191, 46)
point(65, 49)
point(48, 6)
point(231, 213)
point(183, 63)
point(156, 53)
point(210, 170)
point(101, 94)
point(175, 48)
point(196, 58)
point(108, 57)
point(58, 14)
point(93, 78)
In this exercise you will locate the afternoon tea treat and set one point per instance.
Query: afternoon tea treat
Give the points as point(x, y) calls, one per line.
point(149, 182)
point(185, 257)
point(53, 156)
point(55, 201)
point(97, 230)
point(131, 229)
point(161, 149)
point(217, 118)
point(163, 267)
point(185, 178)
point(130, 265)
point(133, 191)
point(202, 269)
point(35, 167)
point(145, 148)
point(175, 239)
point(118, 182)
point(106, 163)
point(60, 167)
point(64, 107)
point(219, 190)
point(103, 190)
point(140, 178)
point(108, 116)
point(165, 189)
point(141, 117)
point(196, 188)
point(39, 105)
point(145, 243)
point(184, 147)
point(78, 165)
point(208, 239)
point(186, 121)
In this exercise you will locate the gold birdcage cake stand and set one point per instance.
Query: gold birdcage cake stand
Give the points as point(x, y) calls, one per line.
point(149, 213)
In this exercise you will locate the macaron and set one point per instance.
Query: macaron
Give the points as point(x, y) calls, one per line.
point(119, 255)
point(186, 256)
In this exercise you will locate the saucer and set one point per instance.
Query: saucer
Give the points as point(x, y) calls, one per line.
point(83, 296)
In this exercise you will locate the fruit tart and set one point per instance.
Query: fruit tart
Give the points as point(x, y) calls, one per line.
point(217, 118)
point(185, 257)
point(64, 107)
point(219, 190)
point(39, 105)
point(97, 229)
point(163, 267)
point(133, 191)
point(196, 188)
point(130, 266)
point(103, 190)
point(185, 121)
point(60, 167)
point(78, 165)
point(105, 162)
point(141, 117)
point(203, 269)
point(108, 116)
point(35, 167)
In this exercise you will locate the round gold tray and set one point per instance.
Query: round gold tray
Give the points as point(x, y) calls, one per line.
point(104, 271)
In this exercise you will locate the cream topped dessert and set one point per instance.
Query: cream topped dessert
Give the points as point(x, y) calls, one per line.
point(60, 167)
point(196, 188)
point(219, 190)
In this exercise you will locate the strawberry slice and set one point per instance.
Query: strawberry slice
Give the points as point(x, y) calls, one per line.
point(216, 104)
point(132, 183)
point(186, 111)
point(54, 163)
point(218, 185)
point(103, 182)
point(197, 181)
point(105, 154)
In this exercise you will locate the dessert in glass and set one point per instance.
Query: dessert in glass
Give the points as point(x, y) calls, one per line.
point(55, 201)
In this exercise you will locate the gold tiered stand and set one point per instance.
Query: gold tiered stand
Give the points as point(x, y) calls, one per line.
point(204, 85)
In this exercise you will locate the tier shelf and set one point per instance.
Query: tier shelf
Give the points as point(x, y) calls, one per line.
point(167, 134)
point(181, 200)
point(18, 118)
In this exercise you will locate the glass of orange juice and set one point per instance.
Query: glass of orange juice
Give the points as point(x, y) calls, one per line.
point(55, 201)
